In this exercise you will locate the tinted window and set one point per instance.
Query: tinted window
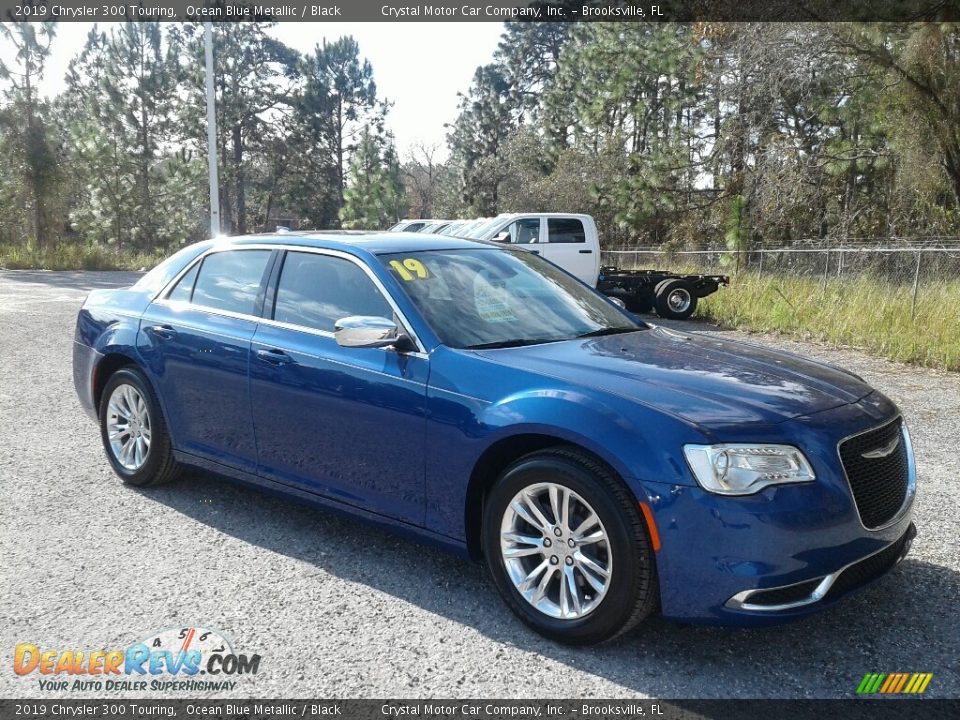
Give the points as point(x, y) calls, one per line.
point(184, 288)
point(476, 298)
point(317, 290)
point(414, 227)
point(566, 230)
point(231, 280)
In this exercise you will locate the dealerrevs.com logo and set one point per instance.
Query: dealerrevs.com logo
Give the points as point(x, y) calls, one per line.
point(189, 659)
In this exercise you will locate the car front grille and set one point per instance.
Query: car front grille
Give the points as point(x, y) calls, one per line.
point(877, 468)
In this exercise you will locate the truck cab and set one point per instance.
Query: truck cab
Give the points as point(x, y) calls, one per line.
point(569, 240)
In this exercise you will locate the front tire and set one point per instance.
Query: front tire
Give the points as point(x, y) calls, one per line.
point(134, 432)
point(567, 548)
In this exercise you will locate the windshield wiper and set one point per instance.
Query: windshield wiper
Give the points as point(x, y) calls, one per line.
point(516, 342)
point(608, 331)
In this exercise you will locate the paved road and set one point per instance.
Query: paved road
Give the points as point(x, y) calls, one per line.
point(339, 609)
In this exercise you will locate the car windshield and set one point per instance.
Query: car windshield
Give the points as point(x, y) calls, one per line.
point(480, 230)
point(487, 297)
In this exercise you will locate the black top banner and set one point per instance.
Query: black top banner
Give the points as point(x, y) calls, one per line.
point(483, 11)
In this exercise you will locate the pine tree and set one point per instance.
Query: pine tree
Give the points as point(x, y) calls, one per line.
point(139, 192)
point(374, 195)
point(339, 102)
point(29, 150)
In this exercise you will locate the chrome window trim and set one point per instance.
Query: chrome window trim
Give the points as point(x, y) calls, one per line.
point(740, 601)
point(185, 305)
point(162, 296)
point(911, 472)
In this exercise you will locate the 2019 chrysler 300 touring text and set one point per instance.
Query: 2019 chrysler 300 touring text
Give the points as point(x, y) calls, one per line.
point(483, 399)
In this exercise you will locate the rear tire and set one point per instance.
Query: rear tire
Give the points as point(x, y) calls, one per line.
point(675, 299)
point(610, 583)
point(134, 432)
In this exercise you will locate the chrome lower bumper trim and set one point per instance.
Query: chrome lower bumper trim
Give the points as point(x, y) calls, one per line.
point(741, 601)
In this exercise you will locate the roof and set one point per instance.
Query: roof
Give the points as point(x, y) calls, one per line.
point(376, 242)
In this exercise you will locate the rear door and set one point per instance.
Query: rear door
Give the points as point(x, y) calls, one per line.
point(566, 245)
point(195, 341)
point(347, 423)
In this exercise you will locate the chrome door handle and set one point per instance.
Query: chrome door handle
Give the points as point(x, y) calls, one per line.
point(164, 332)
point(274, 357)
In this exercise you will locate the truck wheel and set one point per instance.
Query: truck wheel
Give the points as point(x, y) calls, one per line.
point(675, 299)
point(638, 304)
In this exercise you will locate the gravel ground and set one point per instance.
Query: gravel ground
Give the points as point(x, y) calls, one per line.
point(338, 609)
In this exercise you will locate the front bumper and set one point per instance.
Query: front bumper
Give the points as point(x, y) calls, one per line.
point(830, 587)
point(784, 552)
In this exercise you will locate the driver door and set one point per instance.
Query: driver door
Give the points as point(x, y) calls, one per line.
point(345, 423)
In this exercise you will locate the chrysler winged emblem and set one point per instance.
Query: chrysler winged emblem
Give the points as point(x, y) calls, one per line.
point(882, 451)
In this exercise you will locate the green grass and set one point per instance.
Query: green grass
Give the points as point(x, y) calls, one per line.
point(864, 313)
point(73, 257)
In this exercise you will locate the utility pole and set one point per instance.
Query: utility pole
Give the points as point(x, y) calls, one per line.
point(212, 133)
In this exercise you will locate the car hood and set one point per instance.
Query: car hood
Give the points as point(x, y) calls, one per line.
point(711, 383)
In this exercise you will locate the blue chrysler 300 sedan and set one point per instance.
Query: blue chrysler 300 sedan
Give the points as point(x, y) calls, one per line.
point(480, 397)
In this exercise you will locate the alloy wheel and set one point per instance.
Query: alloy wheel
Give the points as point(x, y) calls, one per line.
point(128, 427)
point(556, 551)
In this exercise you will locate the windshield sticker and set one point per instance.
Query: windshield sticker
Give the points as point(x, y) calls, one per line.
point(410, 269)
point(491, 304)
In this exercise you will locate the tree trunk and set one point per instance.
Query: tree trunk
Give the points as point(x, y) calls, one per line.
point(341, 185)
point(241, 189)
point(145, 178)
point(33, 171)
point(951, 163)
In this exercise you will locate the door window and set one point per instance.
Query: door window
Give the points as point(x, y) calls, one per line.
point(317, 290)
point(228, 281)
point(525, 232)
point(565, 230)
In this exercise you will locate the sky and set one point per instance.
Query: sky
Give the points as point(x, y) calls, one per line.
point(420, 67)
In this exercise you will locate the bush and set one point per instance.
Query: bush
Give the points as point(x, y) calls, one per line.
point(73, 257)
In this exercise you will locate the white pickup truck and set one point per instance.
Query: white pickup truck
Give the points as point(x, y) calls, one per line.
point(571, 241)
point(565, 239)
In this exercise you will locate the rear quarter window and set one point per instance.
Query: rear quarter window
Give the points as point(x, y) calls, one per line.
point(155, 280)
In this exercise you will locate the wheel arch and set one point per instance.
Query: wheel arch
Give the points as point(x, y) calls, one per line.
point(108, 365)
point(500, 455)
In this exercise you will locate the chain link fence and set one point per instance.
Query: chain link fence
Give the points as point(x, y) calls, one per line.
point(904, 261)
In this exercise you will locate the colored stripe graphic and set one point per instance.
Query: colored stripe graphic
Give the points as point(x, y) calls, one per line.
point(894, 683)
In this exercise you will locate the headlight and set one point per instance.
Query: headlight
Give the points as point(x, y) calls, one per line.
point(741, 469)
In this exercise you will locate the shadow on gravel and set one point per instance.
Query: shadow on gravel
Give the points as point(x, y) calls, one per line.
point(904, 622)
point(73, 279)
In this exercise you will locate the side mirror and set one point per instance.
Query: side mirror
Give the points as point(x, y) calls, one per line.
point(503, 237)
point(364, 331)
